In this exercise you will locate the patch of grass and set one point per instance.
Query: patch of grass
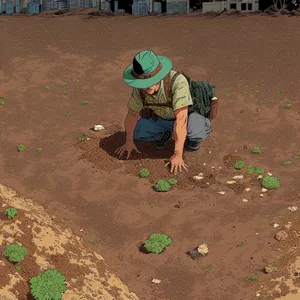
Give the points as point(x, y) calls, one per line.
point(270, 182)
point(21, 148)
point(77, 80)
point(83, 138)
point(35, 191)
point(227, 94)
point(287, 163)
point(47, 87)
point(262, 101)
point(15, 253)
point(65, 83)
point(57, 84)
point(144, 173)
point(2, 101)
point(278, 92)
point(259, 171)
point(250, 170)
point(256, 150)
point(18, 268)
point(162, 186)
point(172, 181)
point(257, 91)
point(11, 212)
point(85, 102)
point(241, 245)
point(157, 242)
point(39, 150)
point(209, 267)
point(252, 278)
point(239, 165)
point(297, 156)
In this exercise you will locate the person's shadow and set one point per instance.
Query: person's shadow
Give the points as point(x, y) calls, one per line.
point(112, 142)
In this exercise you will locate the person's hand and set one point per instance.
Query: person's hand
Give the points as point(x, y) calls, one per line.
point(177, 163)
point(127, 147)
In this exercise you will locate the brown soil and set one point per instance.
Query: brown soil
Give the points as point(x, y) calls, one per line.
point(253, 60)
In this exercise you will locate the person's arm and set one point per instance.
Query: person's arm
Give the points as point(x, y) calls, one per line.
point(130, 124)
point(180, 130)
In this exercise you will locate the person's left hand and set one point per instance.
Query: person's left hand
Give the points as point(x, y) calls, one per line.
point(177, 162)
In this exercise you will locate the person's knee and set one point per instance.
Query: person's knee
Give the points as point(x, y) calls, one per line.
point(199, 127)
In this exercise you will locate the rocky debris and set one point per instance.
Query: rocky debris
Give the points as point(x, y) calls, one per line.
point(288, 225)
point(281, 235)
point(270, 269)
point(238, 177)
point(247, 189)
point(100, 13)
point(245, 200)
point(270, 174)
point(201, 251)
point(264, 190)
point(221, 193)
point(275, 225)
point(198, 177)
point(261, 195)
point(293, 208)
point(61, 12)
point(230, 182)
point(154, 280)
point(259, 176)
point(231, 12)
point(98, 127)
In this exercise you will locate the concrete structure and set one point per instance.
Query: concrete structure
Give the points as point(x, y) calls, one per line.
point(241, 5)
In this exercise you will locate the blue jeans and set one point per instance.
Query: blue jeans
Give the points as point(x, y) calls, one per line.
point(148, 130)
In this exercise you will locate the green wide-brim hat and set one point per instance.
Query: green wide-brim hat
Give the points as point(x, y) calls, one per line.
point(147, 70)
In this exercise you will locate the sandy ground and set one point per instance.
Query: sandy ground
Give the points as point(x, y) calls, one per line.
point(254, 62)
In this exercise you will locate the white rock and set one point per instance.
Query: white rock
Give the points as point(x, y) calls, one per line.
point(220, 167)
point(276, 225)
point(81, 230)
point(293, 208)
point(245, 200)
point(3, 205)
point(221, 193)
point(209, 151)
point(259, 176)
point(247, 189)
point(197, 177)
point(230, 182)
point(264, 190)
point(270, 174)
point(200, 174)
point(257, 295)
point(154, 280)
point(203, 249)
point(212, 167)
point(98, 127)
point(235, 150)
point(261, 195)
point(238, 177)
point(87, 139)
point(207, 183)
point(204, 164)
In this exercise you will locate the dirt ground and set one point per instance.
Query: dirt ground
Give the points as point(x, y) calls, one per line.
point(254, 62)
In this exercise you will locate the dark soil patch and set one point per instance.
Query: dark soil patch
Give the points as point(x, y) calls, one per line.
point(238, 188)
point(230, 160)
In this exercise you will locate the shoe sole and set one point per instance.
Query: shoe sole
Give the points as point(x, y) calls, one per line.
point(165, 144)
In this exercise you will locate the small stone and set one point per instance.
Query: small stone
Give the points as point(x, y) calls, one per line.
point(212, 167)
point(200, 174)
point(261, 195)
point(259, 176)
point(293, 208)
point(28, 226)
point(197, 177)
point(247, 189)
point(98, 127)
point(276, 225)
point(207, 183)
point(203, 249)
point(238, 177)
point(270, 174)
point(221, 168)
point(209, 151)
point(257, 295)
point(221, 193)
point(81, 230)
point(264, 190)
point(230, 182)
point(245, 200)
point(156, 280)
point(3, 205)
point(204, 164)
point(288, 226)
point(270, 268)
point(235, 150)
point(281, 235)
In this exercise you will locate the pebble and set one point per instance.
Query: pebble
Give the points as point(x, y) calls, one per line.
point(270, 174)
point(293, 208)
point(98, 127)
point(221, 193)
point(245, 200)
point(261, 195)
point(87, 139)
point(259, 176)
point(204, 164)
point(247, 189)
point(276, 225)
point(288, 226)
point(281, 235)
point(3, 205)
point(207, 183)
point(235, 150)
point(264, 190)
point(238, 177)
point(197, 177)
point(28, 226)
point(203, 249)
point(154, 280)
point(212, 167)
point(81, 230)
point(221, 168)
point(209, 151)
point(230, 182)
point(257, 295)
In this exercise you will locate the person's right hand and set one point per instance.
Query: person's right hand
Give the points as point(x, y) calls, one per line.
point(127, 147)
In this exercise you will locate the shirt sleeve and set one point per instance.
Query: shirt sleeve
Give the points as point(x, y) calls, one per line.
point(181, 93)
point(135, 103)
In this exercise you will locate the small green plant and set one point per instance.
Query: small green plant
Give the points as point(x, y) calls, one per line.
point(239, 165)
point(297, 156)
point(241, 245)
point(15, 253)
point(39, 150)
point(172, 181)
point(66, 93)
point(257, 91)
point(49, 285)
point(2, 101)
point(278, 92)
point(157, 242)
point(259, 171)
point(287, 106)
point(144, 173)
point(256, 150)
point(83, 138)
point(287, 163)
point(227, 95)
point(47, 87)
point(21, 148)
point(251, 170)
point(57, 84)
point(85, 102)
point(262, 101)
point(163, 186)
point(11, 212)
point(66, 114)
point(77, 80)
point(18, 268)
point(255, 277)
point(65, 83)
point(270, 182)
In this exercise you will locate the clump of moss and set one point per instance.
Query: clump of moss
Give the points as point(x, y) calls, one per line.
point(270, 182)
point(239, 165)
point(163, 186)
point(21, 148)
point(15, 253)
point(259, 171)
point(287, 163)
point(256, 150)
point(172, 181)
point(250, 170)
point(157, 242)
point(144, 173)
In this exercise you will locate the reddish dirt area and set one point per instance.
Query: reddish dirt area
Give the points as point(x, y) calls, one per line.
point(254, 62)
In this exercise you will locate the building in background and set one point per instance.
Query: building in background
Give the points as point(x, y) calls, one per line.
point(241, 5)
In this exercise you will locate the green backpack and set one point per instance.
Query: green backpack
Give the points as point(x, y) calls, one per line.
point(202, 93)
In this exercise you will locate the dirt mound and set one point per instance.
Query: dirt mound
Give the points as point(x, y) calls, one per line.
point(50, 245)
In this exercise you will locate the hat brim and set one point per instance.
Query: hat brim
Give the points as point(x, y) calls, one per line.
point(145, 83)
